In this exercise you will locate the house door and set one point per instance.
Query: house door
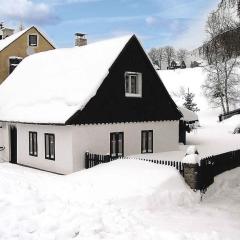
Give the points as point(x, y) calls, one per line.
point(13, 144)
point(117, 144)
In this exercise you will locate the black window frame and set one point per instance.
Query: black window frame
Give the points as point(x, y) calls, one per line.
point(48, 142)
point(13, 63)
point(32, 144)
point(147, 132)
point(34, 44)
point(116, 154)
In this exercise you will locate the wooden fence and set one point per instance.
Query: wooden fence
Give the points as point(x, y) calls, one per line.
point(92, 160)
point(222, 162)
point(221, 117)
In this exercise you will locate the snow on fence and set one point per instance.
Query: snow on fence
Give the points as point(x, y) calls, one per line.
point(198, 177)
point(222, 117)
point(92, 160)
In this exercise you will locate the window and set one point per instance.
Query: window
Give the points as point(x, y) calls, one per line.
point(33, 146)
point(116, 144)
point(133, 84)
point(32, 40)
point(13, 63)
point(49, 146)
point(147, 141)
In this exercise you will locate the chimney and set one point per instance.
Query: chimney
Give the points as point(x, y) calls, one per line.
point(5, 32)
point(80, 39)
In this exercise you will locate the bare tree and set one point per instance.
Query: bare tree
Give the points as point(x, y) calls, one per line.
point(153, 55)
point(230, 4)
point(160, 57)
point(169, 54)
point(222, 84)
point(157, 56)
point(182, 55)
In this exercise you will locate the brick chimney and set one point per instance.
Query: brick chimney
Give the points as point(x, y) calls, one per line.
point(5, 32)
point(80, 39)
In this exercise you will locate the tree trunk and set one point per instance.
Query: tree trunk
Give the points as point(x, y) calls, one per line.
point(226, 87)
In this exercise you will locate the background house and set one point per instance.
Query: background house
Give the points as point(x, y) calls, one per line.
point(104, 97)
point(16, 46)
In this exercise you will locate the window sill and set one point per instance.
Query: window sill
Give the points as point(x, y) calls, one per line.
point(133, 95)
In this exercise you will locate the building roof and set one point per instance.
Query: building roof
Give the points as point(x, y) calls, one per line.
point(8, 40)
point(49, 87)
point(188, 115)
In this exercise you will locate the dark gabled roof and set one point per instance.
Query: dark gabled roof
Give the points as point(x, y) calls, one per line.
point(64, 82)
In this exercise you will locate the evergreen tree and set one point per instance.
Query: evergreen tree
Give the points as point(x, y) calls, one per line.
point(189, 104)
point(183, 65)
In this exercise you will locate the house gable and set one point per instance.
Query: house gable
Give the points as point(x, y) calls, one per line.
point(18, 46)
point(110, 105)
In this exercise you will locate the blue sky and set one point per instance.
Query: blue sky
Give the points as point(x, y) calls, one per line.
point(155, 22)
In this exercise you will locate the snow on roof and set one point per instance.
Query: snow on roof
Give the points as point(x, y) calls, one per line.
point(49, 87)
point(188, 115)
point(8, 40)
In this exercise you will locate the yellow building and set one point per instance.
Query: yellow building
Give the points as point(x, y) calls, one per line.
point(19, 45)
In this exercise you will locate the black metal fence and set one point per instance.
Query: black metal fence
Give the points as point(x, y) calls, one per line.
point(92, 160)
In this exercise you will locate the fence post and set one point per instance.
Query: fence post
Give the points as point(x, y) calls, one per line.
point(86, 160)
point(191, 174)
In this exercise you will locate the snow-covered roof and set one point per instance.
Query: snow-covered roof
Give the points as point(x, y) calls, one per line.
point(8, 40)
point(188, 115)
point(49, 87)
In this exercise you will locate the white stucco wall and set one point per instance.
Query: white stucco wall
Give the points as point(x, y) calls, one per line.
point(71, 142)
point(63, 148)
point(4, 142)
point(96, 138)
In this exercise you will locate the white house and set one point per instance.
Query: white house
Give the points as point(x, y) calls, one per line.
point(104, 97)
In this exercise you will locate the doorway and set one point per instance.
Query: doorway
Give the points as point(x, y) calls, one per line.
point(13, 144)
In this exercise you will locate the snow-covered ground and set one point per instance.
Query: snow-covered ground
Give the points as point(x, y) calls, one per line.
point(127, 199)
point(124, 199)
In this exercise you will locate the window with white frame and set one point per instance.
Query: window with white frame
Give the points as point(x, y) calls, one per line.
point(133, 84)
point(33, 147)
point(33, 40)
point(49, 146)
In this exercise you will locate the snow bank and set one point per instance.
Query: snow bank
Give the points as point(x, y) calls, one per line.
point(121, 200)
point(136, 180)
point(231, 123)
point(226, 191)
point(106, 202)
